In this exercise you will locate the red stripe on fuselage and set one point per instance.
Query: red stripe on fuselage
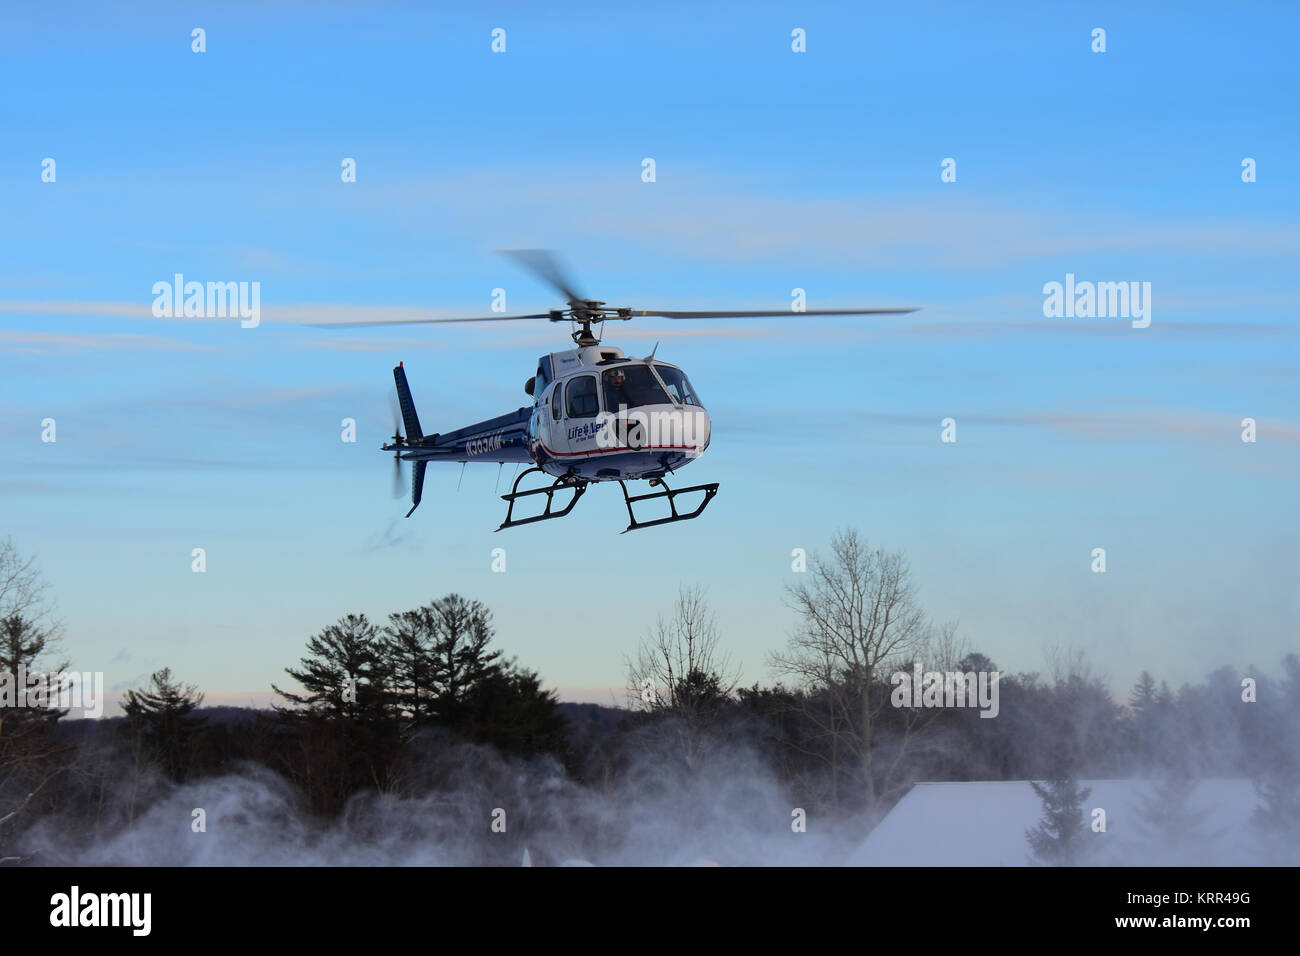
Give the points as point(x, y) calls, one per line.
point(610, 451)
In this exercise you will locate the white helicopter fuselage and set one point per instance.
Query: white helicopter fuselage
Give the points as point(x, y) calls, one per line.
point(601, 415)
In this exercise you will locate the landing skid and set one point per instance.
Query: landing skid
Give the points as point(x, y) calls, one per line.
point(577, 486)
point(709, 491)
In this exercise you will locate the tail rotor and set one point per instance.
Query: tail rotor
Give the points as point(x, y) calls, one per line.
point(399, 479)
point(414, 436)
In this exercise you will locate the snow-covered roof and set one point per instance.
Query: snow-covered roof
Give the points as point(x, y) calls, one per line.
point(983, 823)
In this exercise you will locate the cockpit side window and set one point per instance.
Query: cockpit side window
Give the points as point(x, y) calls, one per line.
point(581, 397)
point(678, 386)
point(557, 403)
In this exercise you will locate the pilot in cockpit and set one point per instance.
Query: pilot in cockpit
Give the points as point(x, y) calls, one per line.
point(616, 390)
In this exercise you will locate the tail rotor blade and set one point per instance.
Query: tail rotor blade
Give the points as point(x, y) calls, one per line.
point(395, 414)
point(399, 483)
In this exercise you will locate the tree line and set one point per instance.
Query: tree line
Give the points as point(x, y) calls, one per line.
point(371, 704)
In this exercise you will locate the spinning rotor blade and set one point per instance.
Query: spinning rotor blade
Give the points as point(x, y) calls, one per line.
point(399, 484)
point(395, 414)
point(759, 314)
point(543, 264)
point(586, 312)
point(485, 318)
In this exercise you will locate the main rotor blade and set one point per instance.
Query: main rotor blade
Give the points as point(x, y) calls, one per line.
point(759, 314)
point(485, 318)
point(542, 262)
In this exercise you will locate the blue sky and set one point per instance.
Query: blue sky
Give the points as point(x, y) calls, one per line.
point(775, 170)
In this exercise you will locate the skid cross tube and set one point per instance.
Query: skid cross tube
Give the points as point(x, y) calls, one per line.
point(569, 484)
point(709, 491)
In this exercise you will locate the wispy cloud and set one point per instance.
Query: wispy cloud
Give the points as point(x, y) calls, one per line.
point(46, 343)
point(1131, 425)
point(710, 218)
point(1101, 420)
point(125, 310)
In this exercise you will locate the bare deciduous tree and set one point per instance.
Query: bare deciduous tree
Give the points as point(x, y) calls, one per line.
point(29, 759)
point(683, 679)
point(680, 665)
point(859, 622)
point(26, 612)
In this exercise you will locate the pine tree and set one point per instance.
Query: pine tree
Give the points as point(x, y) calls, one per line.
point(1060, 837)
point(408, 639)
point(1277, 818)
point(1144, 702)
point(1172, 831)
point(346, 731)
point(510, 710)
point(700, 695)
point(1144, 693)
point(345, 676)
point(458, 654)
point(443, 672)
point(1276, 772)
point(21, 645)
point(162, 715)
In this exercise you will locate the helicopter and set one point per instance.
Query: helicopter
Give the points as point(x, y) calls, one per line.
point(598, 414)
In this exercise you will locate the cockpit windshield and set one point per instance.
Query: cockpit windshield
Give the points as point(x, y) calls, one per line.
point(678, 386)
point(631, 385)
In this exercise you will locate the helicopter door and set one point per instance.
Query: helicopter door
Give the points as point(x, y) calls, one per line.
point(580, 419)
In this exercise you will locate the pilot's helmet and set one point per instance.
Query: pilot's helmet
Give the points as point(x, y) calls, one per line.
point(616, 377)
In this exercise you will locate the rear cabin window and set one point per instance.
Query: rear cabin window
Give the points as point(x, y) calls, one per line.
point(581, 397)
